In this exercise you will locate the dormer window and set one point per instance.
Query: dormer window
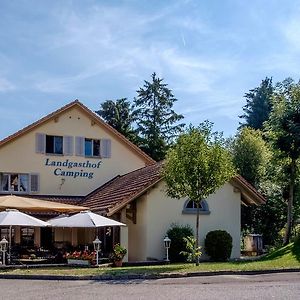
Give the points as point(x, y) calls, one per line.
point(190, 207)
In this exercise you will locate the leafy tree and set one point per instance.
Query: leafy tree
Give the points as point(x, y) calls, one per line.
point(157, 122)
point(196, 166)
point(258, 106)
point(283, 131)
point(251, 155)
point(119, 115)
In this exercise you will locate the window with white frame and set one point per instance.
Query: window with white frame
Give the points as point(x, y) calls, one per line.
point(19, 183)
point(190, 207)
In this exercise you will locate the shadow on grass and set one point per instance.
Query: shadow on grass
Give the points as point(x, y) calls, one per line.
point(293, 248)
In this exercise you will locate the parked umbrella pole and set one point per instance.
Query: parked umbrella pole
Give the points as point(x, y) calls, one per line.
point(9, 244)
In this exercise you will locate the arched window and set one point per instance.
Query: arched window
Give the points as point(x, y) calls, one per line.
point(190, 207)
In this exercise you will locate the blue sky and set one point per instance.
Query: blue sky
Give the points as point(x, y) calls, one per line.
point(209, 52)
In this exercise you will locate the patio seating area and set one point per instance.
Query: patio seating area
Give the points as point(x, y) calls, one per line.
point(29, 240)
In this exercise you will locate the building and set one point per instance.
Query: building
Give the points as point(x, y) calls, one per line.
point(72, 156)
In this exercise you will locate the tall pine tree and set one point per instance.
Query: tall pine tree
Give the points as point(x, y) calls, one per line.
point(258, 106)
point(157, 122)
point(118, 114)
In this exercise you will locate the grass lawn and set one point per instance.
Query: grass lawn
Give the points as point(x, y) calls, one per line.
point(283, 258)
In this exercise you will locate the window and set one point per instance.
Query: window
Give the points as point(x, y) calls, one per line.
point(92, 147)
point(54, 144)
point(190, 207)
point(14, 182)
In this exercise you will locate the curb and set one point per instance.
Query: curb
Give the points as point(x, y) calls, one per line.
point(144, 276)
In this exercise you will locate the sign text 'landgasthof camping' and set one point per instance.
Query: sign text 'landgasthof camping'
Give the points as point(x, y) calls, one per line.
point(73, 169)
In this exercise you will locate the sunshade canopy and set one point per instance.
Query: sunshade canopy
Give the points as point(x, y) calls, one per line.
point(35, 205)
point(13, 217)
point(84, 219)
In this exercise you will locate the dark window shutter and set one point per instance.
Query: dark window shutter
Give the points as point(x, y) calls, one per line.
point(40, 142)
point(105, 145)
point(68, 145)
point(79, 145)
point(34, 182)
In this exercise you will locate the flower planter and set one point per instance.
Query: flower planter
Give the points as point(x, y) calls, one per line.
point(118, 263)
point(79, 262)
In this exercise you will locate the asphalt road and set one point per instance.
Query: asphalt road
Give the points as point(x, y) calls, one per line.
point(272, 286)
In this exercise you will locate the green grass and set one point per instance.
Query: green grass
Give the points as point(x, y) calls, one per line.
point(283, 258)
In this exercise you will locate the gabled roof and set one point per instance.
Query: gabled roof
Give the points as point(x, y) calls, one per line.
point(147, 159)
point(121, 190)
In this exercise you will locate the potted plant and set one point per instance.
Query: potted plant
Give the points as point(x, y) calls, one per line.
point(117, 255)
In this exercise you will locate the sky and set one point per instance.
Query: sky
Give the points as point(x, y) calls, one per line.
point(210, 53)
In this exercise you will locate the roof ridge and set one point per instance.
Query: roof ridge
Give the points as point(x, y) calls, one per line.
point(139, 169)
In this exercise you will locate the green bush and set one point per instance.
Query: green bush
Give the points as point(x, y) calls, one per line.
point(176, 233)
point(218, 245)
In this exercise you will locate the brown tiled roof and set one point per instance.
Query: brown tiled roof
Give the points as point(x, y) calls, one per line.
point(250, 195)
point(72, 200)
point(123, 189)
point(148, 160)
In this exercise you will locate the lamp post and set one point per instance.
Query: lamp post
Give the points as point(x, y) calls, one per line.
point(3, 248)
point(97, 245)
point(167, 244)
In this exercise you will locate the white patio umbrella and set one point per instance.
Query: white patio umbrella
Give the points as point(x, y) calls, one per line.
point(84, 219)
point(13, 217)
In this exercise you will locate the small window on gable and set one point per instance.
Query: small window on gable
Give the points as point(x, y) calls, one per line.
point(190, 207)
point(92, 147)
point(54, 144)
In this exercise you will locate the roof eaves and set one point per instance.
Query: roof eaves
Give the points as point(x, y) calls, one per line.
point(131, 198)
point(248, 190)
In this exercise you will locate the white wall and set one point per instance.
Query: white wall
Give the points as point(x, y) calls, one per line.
point(160, 211)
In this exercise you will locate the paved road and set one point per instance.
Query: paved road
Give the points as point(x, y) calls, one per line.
point(273, 286)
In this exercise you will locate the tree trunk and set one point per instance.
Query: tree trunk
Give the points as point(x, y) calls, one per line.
point(197, 230)
point(289, 224)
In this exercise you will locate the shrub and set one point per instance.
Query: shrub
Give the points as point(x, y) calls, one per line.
point(176, 233)
point(193, 253)
point(218, 245)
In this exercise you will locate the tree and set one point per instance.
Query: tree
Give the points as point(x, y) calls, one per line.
point(197, 165)
point(119, 115)
point(157, 122)
point(283, 131)
point(258, 107)
point(251, 158)
point(251, 155)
